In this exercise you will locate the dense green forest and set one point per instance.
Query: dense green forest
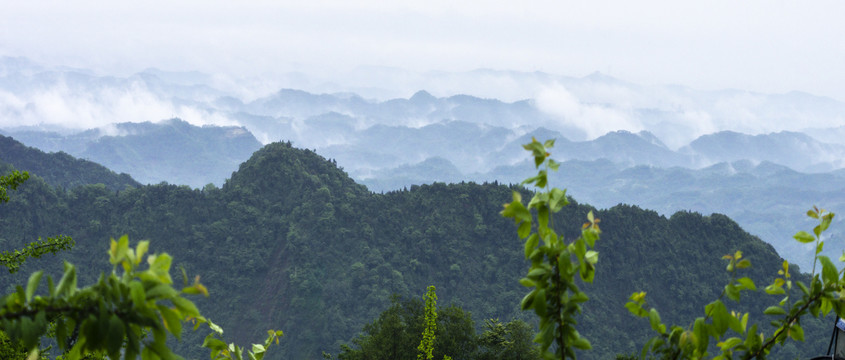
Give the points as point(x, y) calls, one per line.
point(60, 169)
point(290, 242)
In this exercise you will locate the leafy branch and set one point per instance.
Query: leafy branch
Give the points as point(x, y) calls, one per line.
point(819, 299)
point(115, 316)
point(11, 181)
point(555, 296)
point(12, 260)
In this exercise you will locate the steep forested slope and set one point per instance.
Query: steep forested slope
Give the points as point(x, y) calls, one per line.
point(290, 242)
point(60, 169)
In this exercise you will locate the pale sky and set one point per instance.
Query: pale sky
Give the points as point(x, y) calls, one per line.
point(766, 46)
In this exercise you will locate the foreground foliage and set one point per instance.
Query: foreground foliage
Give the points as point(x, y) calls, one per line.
point(556, 298)
point(109, 317)
point(117, 315)
point(823, 295)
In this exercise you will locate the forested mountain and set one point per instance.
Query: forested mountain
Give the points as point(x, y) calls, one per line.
point(291, 242)
point(765, 198)
point(173, 150)
point(60, 169)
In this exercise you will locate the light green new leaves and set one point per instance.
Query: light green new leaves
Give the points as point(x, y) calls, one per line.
point(112, 315)
point(221, 351)
point(13, 260)
point(426, 346)
point(11, 181)
point(554, 296)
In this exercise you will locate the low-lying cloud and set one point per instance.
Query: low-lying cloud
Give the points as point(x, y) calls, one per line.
point(594, 105)
point(76, 106)
point(595, 120)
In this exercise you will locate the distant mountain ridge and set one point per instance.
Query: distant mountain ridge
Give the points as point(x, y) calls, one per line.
point(60, 169)
point(620, 167)
point(795, 150)
point(172, 150)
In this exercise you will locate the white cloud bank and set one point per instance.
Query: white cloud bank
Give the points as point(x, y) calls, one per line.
point(71, 106)
point(595, 120)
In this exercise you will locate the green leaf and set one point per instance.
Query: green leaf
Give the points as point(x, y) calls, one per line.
point(554, 165)
point(557, 199)
point(68, 282)
point(161, 291)
point(540, 303)
point(579, 297)
point(136, 292)
point(528, 300)
point(32, 284)
point(654, 320)
point(700, 331)
point(531, 244)
point(721, 316)
point(516, 210)
point(185, 306)
point(635, 309)
point(826, 221)
point(804, 237)
point(537, 273)
point(829, 272)
point(592, 257)
point(796, 332)
point(527, 282)
point(582, 344)
point(171, 320)
point(542, 179)
point(524, 229)
point(141, 250)
point(160, 266)
point(747, 283)
point(775, 290)
point(732, 292)
point(774, 310)
point(730, 343)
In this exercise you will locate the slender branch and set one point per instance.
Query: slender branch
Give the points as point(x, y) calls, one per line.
point(788, 321)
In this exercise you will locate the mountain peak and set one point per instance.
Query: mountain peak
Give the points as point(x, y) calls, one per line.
point(284, 174)
point(422, 96)
point(651, 138)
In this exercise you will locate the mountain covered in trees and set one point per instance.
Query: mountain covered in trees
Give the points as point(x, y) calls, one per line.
point(172, 150)
point(291, 242)
point(60, 169)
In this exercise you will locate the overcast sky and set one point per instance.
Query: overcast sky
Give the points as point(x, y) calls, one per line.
point(768, 46)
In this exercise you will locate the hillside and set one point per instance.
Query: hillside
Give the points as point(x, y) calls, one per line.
point(291, 242)
point(173, 150)
point(60, 169)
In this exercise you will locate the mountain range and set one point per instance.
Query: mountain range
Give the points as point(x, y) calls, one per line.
point(291, 242)
point(684, 148)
